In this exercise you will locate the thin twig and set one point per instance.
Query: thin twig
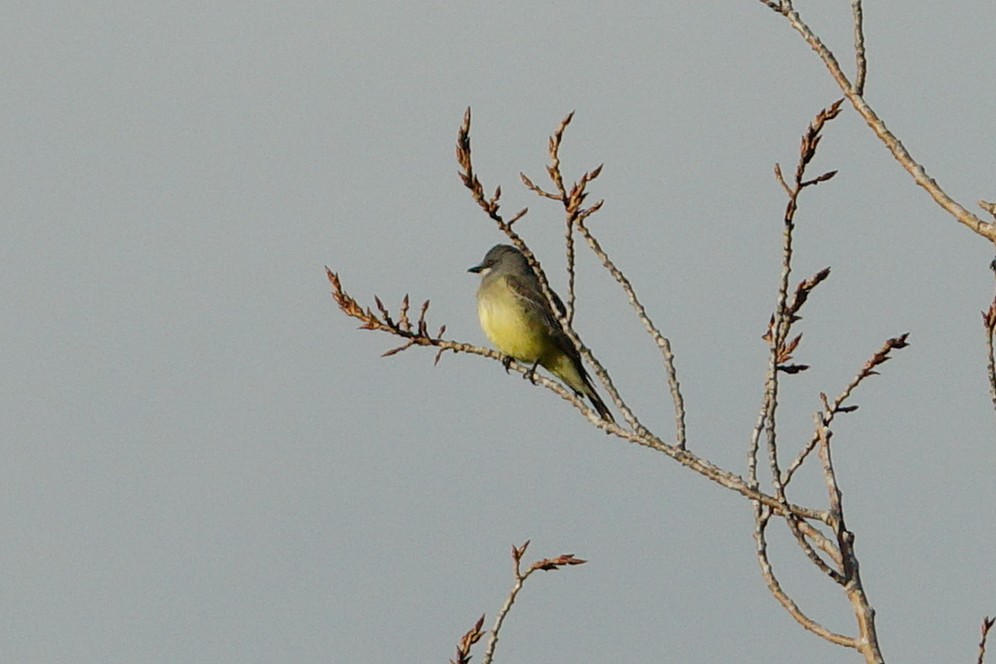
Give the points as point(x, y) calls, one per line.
point(719, 475)
point(854, 94)
point(989, 323)
point(571, 272)
point(662, 342)
point(472, 636)
point(575, 217)
point(553, 170)
point(491, 207)
point(987, 624)
point(861, 63)
point(639, 435)
point(383, 322)
point(782, 349)
point(863, 612)
point(821, 541)
point(786, 313)
point(991, 365)
point(832, 409)
point(761, 517)
point(547, 564)
point(571, 201)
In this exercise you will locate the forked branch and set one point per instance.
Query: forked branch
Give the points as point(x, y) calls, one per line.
point(841, 563)
point(819, 532)
point(854, 92)
point(575, 218)
point(476, 633)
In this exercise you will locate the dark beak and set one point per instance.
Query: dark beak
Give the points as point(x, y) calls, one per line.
point(476, 268)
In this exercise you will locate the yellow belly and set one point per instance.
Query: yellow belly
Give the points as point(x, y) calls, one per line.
point(511, 329)
point(521, 332)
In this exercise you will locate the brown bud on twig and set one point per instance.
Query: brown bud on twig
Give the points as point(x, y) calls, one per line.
point(987, 624)
point(558, 562)
point(518, 552)
point(989, 317)
point(384, 322)
point(804, 288)
point(472, 636)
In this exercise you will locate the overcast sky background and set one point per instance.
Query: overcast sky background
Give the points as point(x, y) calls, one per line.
point(204, 461)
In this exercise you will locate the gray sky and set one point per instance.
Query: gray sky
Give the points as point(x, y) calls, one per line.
point(204, 461)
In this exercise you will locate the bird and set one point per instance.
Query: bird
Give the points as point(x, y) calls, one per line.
point(517, 318)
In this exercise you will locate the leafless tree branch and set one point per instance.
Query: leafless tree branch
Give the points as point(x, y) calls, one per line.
point(987, 624)
point(547, 564)
point(468, 640)
point(662, 342)
point(989, 323)
point(832, 409)
point(761, 517)
point(855, 94)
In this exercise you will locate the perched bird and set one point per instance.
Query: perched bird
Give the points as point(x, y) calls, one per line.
point(517, 319)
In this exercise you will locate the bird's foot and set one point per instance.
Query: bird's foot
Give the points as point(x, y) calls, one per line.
point(506, 361)
point(530, 374)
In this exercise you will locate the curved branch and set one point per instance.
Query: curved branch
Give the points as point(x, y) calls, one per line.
point(854, 94)
point(662, 342)
point(762, 516)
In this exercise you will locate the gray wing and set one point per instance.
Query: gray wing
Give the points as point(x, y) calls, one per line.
point(532, 297)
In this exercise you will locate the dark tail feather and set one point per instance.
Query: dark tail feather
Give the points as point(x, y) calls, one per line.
point(596, 400)
point(600, 406)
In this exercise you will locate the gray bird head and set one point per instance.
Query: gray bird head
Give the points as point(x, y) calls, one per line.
point(502, 258)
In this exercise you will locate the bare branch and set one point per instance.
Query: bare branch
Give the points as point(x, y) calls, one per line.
point(471, 181)
point(782, 347)
point(469, 639)
point(536, 189)
point(571, 201)
point(662, 343)
point(385, 323)
point(645, 438)
point(781, 321)
point(803, 290)
point(571, 271)
point(830, 477)
point(761, 517)
point(554, 168)
point(863, 612)
point(546, 564)
point(861, 63)
point(990, 357)
point(854, 94)
point(830, 410)
point(989, 323)
point(987, 624)
point(821, 541)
